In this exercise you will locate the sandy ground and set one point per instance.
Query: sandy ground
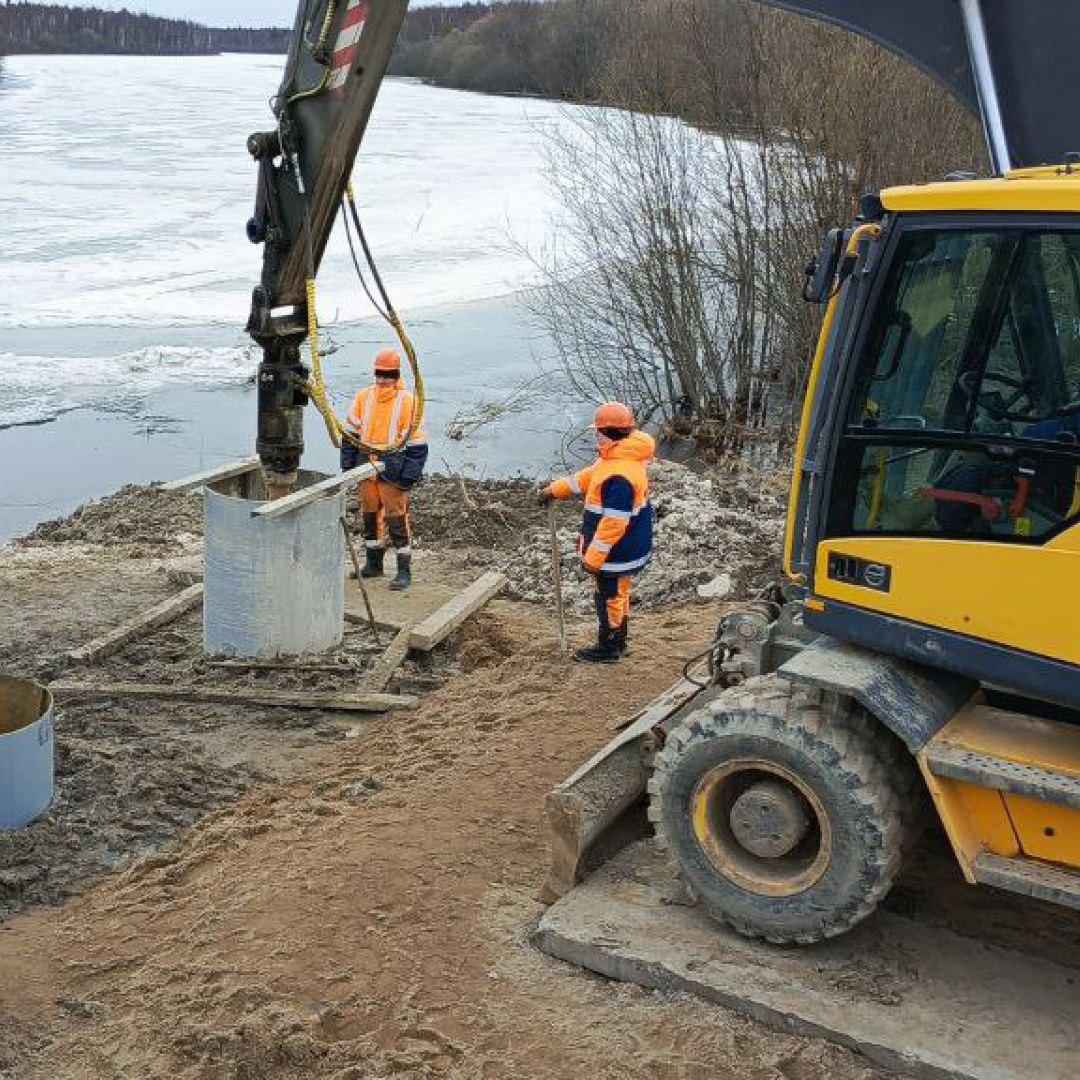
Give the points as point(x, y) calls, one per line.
point(253, 894)
point(371, 917)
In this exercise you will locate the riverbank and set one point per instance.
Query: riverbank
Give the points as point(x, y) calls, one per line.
point(253, 893)
point(245, 891)
point(128, 405)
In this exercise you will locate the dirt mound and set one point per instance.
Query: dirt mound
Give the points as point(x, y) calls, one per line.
point(706, 525)
point(450, 511)
point(137, 515)
point(371, 917)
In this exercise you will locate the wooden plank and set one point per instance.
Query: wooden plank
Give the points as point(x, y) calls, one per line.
point(208, 476)
point(72, 690)
point(439, 624)
point(382, 671)
point(330, 486)
point(126, 632)
point(298, 666)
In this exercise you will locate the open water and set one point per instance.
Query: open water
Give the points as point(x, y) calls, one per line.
point(125, 274)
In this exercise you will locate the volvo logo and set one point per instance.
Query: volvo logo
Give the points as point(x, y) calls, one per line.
point(851, 570)
point(875, 575)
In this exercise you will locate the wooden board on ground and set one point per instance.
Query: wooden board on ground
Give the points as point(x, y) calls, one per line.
point(440, 624)
point(72, 690)
point(382, 671)
point(209, 476)
point(126, 632)
point(393, 610)
point(916, 998)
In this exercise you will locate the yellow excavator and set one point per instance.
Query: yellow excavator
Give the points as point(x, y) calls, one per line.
point(927, 641)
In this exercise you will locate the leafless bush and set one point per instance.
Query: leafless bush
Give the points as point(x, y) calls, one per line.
point(675, 280)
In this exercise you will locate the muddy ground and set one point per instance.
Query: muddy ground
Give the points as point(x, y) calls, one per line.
point(260, 894)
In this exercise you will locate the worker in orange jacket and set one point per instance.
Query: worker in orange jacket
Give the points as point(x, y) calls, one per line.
point(617, 527)
point(380, 418)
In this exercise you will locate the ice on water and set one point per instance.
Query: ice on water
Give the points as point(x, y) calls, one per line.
point(127, 186)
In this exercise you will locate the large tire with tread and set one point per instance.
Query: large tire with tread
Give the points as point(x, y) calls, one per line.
point(768, 748)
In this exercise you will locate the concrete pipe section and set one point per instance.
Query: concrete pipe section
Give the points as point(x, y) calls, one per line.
point(273, 586)
point(26, 751)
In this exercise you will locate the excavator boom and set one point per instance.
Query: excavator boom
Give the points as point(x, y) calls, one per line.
point(1011, 62)
point(339, 51)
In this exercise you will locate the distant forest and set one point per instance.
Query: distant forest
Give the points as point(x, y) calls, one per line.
point(49, 28)
point(516, 46)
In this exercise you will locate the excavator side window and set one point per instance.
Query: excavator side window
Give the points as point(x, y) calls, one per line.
point(964, 418)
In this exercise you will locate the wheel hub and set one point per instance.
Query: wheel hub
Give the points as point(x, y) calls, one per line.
point(770, 819)
point(762, 827)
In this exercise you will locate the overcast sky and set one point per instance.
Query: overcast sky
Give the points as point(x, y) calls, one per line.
point(215, 12)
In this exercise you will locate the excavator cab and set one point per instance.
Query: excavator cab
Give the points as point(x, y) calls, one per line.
point(938, 480)
point(929, 642)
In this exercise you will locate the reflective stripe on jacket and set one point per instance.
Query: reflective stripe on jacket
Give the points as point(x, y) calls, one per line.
point(380, 416)
point(617, 527)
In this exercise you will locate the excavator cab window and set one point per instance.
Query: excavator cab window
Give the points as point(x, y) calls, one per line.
point(964, 415)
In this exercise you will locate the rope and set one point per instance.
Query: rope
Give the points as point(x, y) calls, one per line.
point(390, 315)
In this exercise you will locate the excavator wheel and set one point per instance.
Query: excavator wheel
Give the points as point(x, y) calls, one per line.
point(782, 810)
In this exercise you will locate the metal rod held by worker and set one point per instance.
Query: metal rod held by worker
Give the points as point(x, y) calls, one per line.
point(360, 581)
point(556, 578)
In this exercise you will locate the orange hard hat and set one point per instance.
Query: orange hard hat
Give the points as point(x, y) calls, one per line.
point(613, 414)
point(387, 360)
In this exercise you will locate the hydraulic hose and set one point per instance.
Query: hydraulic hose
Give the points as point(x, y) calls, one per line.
point(316, 383)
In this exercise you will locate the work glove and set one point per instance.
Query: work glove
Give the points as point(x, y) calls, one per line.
point(544, 496)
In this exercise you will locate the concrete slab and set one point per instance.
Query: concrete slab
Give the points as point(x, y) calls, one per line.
point(393, 610)
point(914, 998)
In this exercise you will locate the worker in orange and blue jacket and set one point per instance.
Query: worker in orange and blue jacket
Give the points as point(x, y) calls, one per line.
point(617, 528)
point(380, 418)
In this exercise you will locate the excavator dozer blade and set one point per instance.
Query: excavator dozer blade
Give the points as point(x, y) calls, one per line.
point(585, 817)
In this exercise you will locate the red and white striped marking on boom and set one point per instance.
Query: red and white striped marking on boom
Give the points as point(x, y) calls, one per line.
point(345, 48)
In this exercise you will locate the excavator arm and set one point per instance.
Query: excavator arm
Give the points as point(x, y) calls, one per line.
point(1011, 62)
point(339, 51)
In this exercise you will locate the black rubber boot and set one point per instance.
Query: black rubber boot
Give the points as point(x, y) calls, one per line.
point(404, 573)
point(621, 637)
point(605, 651)
point(374, 565)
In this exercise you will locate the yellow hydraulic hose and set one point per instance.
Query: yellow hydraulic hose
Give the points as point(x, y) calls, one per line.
point(316, 383)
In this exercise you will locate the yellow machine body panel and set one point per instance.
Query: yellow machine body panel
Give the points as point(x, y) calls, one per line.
point(974, 819)
point(1044, 190)
point(1025, 597)
point(980, 818)
point(1045, 831)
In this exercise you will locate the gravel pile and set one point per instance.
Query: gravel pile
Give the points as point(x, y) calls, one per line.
point(717, 533)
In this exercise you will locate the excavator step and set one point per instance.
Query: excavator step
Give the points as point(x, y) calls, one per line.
point(960, 763)
point(1029, 878)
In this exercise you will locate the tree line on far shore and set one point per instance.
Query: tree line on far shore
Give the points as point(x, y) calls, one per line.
point(51, 28)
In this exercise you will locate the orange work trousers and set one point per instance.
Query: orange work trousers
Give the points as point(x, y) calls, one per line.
point(612, 597)
point(385, 510)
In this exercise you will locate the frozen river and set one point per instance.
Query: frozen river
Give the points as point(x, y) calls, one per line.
point(125, 273)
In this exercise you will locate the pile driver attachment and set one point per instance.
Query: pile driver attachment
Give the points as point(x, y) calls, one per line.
point(339, 51)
